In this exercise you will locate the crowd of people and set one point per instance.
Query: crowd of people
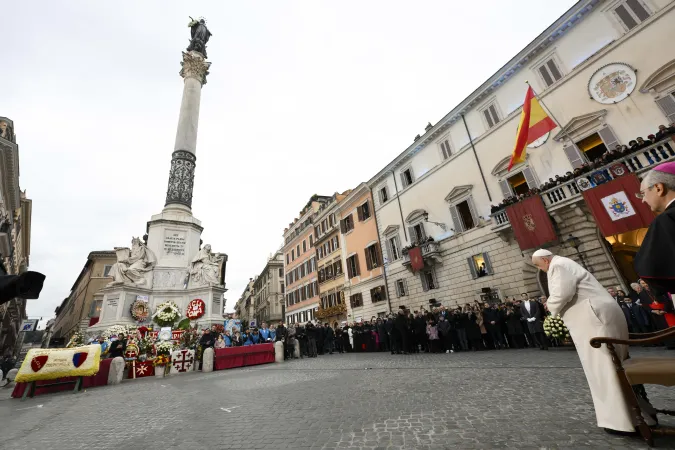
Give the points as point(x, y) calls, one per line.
point(618, 152)
point(473, 327)
point(645, 310)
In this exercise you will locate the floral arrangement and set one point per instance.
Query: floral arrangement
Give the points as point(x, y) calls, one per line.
point(164, 348)
point(167, 313)
point(555, 327)
point(77, 340)
point(53, 363)
point(161, 360)
point(190, 339)
point(322, 313)
point(115, 330)
point(145, 345)
point(139, 310)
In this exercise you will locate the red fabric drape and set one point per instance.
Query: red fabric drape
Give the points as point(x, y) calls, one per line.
point(416, 260)
point(531, 223)
point(615, 208)
point(250, 355)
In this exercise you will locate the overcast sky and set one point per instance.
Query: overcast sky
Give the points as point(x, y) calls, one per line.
point(303, 97)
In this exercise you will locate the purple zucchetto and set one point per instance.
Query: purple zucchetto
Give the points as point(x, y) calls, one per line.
point(668, 167)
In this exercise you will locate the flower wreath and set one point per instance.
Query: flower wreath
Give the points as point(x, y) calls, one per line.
point(166, 314)
point(139, 310)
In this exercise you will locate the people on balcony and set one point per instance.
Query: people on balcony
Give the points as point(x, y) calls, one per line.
point(619, 151)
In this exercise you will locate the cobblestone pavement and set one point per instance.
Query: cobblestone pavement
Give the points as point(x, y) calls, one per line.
point(373, 401)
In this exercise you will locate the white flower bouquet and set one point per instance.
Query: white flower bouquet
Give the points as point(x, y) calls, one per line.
point(164, 348)
point(554, 327)
point(166, 314)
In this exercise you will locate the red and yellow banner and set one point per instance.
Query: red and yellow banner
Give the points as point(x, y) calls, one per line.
point(534, 123)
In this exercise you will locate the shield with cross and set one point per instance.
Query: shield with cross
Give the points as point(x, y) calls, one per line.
point(182, 361)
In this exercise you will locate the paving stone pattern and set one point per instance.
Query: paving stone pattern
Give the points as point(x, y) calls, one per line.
point(524, 399)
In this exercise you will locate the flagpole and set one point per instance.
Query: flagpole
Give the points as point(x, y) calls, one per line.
point(480, 169)
point(548, 110)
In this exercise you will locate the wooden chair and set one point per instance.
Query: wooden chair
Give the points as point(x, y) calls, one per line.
point(643, 370)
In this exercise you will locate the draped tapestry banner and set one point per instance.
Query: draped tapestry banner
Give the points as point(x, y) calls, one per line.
point(615, 208)
point(531, 223)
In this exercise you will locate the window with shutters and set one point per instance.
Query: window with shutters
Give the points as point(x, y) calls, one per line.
point(479, 265)
point(288, 258)
point(337, 267)
point(464, 215)
point(407, 177)
point(417, 233)
point(352, 266)
point(377, 294)
point(356, 300)
point(347, 224)
point(384, 194)
point(550, 71)
point(520, 182)
point(393, 248)
point(304, 246)
point(363, 211)
point(311, 241)
point(401, 288)
point(428, 277)
point(298, 250)
point(490, 114)
point(631, 13)
point(667, 105)
point(106, 270)
point(373, 258)
point(292, 255)
point(444, 146)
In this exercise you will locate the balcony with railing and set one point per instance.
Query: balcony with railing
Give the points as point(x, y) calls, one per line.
point(570, 191)
point(431, 253)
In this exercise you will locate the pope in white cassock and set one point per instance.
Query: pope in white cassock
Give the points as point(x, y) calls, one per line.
point(589, 311)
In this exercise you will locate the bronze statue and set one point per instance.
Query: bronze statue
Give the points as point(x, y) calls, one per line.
point(199, 36)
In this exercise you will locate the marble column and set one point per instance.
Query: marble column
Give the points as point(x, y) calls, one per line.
point(182, 173)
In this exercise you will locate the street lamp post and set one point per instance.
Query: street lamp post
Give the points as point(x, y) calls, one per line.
point(575, 243)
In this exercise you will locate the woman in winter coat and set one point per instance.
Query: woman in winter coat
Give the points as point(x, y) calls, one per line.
point(432, 334)
point(445, 333)
point(473, 333)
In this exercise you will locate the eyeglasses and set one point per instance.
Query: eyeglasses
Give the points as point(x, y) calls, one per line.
point(640, 195)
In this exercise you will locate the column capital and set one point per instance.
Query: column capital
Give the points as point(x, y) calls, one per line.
point(194, 65)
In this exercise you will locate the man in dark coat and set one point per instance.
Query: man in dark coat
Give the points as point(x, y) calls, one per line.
point(654, 260)
point(382, 335)
point(420, 332)
point(401, 327)
point(637, 317)
point(533, 314)
point(310, 329)
point(118, 347)
point(492, 319)
point(301, 336)
point(329, 335)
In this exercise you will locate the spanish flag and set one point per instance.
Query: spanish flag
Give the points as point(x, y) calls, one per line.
point(534, 123)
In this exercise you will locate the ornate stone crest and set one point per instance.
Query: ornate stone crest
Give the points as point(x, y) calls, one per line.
point(529, 222)
point(612, 83)
point(584, 184)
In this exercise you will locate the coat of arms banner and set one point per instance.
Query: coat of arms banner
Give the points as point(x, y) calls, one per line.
point(615, 208)
point(531, 223)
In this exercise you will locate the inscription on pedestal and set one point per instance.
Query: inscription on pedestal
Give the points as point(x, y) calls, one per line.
point(174, 243)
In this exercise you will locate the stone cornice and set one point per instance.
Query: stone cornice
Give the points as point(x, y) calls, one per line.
point(350, 201)
point(173, 222)
point(560, 27)
point(9, 171)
